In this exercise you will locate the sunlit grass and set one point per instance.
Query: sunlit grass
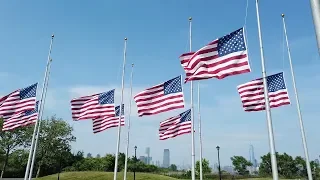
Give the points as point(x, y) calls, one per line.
point(104, 176)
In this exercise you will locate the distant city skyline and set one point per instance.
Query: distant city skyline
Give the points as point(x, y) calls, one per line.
point(166, 161)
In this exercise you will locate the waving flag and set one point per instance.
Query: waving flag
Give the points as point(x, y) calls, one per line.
point(103, 123)
point(185, 58)
point(18, 101)
point(252, 93)
point(93, 106)
point(22, 119)
point(175, 126)
point(160, 98)
point(223, 57)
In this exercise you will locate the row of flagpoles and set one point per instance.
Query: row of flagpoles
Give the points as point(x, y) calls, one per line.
point(100, 107)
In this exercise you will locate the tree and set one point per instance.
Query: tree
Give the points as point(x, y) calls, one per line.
point(121, 161)
point(55, 138)
point(173, 167)
point(265, 165)
point(240, 164)
point(98, 156)
point(12, 140)
point(17, 163)
point(301, 165)
point(109, 159)
point(288, 166)
point(205, 166)
point(77, 157)
point(315, 167)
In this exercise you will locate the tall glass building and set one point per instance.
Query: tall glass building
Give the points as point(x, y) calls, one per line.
point(166, 158)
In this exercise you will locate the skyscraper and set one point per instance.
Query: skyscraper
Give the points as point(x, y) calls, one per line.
point(148, 155)
point(166, 158)
point(252, 159)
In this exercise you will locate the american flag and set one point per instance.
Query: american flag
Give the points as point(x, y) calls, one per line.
point(225, 56)
point(18, 101)
point(22, 119)
point(103, 123)
point(93, 106)
point(160, 98)
point(175, 126)
point(252, 93)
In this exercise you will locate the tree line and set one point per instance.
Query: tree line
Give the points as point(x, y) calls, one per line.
point(54, 155)
point(288, 166)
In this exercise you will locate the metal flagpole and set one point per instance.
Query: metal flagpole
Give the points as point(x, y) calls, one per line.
point(315, 6)
point(128, 135)
point(119, 124)
point(200, 138)
point(267, 103)
point(39, 110)
point(39, 125)
point(192, 113)
point(304, 141)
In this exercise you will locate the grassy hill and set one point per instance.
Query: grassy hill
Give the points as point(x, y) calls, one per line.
point(108, 175)
point(104, 176)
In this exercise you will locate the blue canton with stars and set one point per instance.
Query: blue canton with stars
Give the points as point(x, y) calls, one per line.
point(185, 116)
point(117, 110)
point(173, 86)
point(276, 82)
point(28, 92)
point(106, 97)
point(231, 43)
point(35, 110)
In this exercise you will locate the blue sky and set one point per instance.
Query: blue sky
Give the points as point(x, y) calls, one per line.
point(88, 52)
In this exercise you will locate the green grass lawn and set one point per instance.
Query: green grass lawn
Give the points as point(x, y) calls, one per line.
point(103, 176)
point(109, 175)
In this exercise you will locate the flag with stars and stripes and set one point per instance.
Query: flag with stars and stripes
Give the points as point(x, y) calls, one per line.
point(93, 106)
point(18, 101)
point(175, 126)
point(22, 119)
point(252, 93)
point(160, 98)
point(103, 123)
point(223, 57)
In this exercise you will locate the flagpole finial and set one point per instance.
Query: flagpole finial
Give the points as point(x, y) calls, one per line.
point(132, 64)
point(125, 39)
point(52, 36)
point(282, 15)
point(190, 18)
